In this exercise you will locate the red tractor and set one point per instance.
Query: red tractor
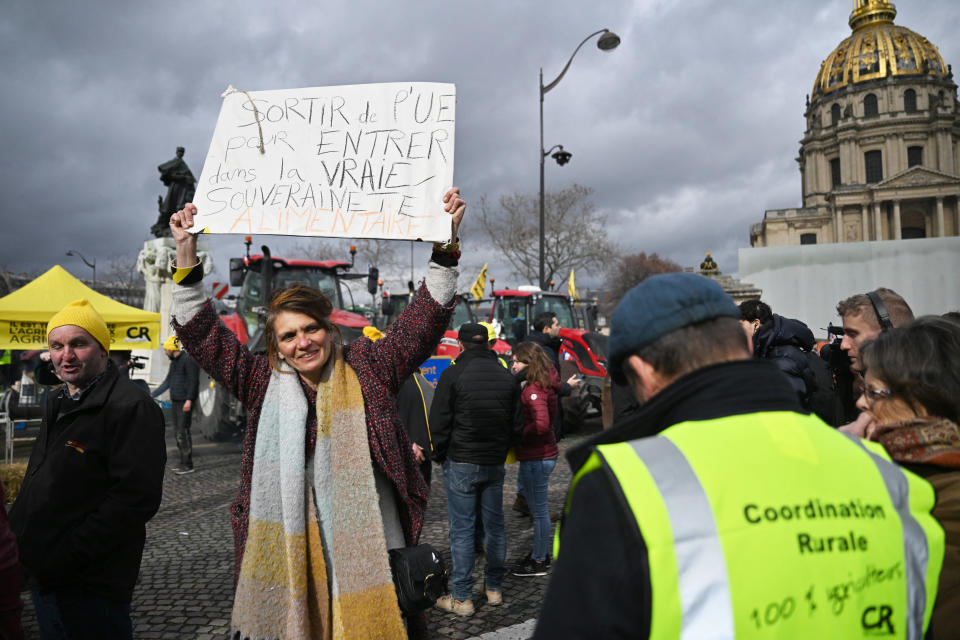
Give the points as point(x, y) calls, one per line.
point(582, 350)
point(467, 310)
point(220, 415)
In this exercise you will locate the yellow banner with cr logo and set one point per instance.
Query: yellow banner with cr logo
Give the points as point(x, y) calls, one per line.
point(24, 314)
point(124, 336)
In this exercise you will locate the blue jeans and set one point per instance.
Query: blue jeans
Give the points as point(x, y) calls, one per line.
point(80, 615)
point(535, 475)
point(464, 482)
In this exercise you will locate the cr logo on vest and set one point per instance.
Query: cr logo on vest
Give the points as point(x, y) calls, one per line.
point(876, 620)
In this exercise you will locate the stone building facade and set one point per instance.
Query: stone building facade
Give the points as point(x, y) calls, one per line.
point(880, 158)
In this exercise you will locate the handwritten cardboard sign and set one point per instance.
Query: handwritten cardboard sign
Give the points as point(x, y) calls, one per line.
point(355, 161)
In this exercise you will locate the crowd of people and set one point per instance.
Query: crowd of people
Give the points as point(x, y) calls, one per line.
point(485, 412)
point(723, 502)
point(750, 484)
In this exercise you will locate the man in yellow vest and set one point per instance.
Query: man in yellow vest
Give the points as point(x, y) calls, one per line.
point(720, 509)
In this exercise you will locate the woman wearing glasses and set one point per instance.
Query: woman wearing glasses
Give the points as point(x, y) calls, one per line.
point(912, 395)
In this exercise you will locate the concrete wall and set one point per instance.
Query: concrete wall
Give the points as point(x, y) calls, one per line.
point(806, 282)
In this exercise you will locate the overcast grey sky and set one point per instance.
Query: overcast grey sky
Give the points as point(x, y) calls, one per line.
point(687, 132)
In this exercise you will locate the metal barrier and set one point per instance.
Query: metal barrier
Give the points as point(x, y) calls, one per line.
point(10, 404)
point(7, 424)
point(13, 413)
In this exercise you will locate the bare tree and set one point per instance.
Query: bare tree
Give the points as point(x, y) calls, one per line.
point(31, 274)
point(122, 271)
point(316, 249)
point(10, 281)
point(383, 254)
point(624, 273)
point(574, 232)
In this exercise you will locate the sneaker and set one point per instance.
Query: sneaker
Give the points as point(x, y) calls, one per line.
point(520, 505)
point(457, 607)
point(181, 472)
point(530, 567)
point(520, 561)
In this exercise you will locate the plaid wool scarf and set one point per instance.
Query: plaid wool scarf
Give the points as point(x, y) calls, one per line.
point(926, 440)
point(316, 563)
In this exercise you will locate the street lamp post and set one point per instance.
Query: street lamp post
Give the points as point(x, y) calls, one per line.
point(92, 265)
point(608, 40)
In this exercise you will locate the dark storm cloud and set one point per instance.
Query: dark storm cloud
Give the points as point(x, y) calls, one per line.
point(686, 132)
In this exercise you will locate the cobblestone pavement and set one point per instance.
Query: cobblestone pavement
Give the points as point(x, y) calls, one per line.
point(185, 588)
point(521, 596)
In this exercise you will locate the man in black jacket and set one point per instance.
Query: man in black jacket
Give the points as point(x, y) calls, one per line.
point(183, 382)
point(789, 344)
point(475, 418)
point(782, 340)
point(546, 333)
point(94, 479)
point(413, 406)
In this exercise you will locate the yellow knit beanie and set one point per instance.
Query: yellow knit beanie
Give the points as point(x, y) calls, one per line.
point(81, 313)
point(172, 343)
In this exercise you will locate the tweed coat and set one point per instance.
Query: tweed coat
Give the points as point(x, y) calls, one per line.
point(381, 368)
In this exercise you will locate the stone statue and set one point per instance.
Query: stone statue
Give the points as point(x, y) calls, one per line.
point(709, 265)
point(852, 232)
point(181, 185)
point(153, 263)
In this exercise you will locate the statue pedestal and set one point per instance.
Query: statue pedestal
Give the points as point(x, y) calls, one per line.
point(153, 263)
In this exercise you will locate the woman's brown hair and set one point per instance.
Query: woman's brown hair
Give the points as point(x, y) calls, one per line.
point(297, 299)
point(919, 363)
point(539, 368)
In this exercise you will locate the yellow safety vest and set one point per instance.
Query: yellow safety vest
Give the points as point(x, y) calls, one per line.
point(773, 525)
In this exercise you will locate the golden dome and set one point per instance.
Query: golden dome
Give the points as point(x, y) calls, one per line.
point(877, 48)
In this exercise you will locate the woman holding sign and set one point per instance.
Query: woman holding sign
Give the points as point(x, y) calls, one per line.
point(328, 478)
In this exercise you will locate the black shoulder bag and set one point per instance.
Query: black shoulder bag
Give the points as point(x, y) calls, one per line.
point(419, 575)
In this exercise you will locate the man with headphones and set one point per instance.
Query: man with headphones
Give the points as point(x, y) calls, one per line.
point(865, 316)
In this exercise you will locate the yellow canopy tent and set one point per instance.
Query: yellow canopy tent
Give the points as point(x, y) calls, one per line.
point(24, 314)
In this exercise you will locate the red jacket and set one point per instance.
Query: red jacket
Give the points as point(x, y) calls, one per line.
point(539, 411)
